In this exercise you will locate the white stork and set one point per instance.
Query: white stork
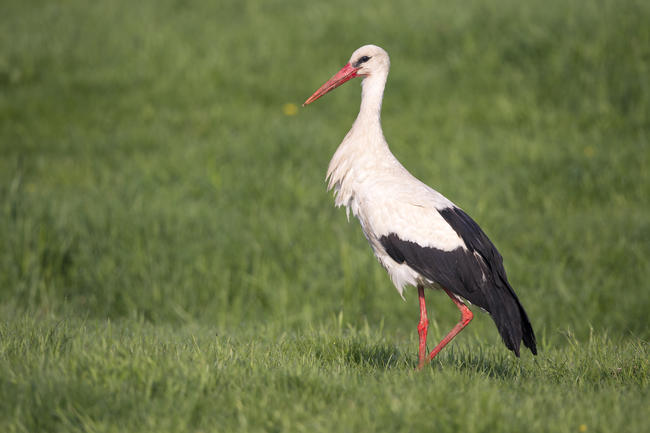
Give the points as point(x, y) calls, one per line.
point(419, 236)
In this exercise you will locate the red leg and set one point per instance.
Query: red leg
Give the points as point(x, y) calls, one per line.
point(466, 317)
point(423, 326)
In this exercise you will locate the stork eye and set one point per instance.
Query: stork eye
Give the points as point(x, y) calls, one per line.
point(361, 60)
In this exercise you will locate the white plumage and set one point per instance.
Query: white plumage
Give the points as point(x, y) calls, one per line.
point(418, 235)
point(369, 181)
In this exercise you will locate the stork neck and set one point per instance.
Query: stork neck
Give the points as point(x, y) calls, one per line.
point(372, 95)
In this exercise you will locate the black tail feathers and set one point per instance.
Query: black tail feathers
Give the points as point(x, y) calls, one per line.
point(511, 320)
point(528, 333)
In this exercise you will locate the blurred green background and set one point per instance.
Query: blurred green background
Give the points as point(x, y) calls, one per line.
point(148, 168)
point(154, 168)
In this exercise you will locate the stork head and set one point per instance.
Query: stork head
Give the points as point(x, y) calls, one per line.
point(367, 61)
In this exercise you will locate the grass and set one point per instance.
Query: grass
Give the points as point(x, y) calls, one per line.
point(89, 376)
point(172, 261)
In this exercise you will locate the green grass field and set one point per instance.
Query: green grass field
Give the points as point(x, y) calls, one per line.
point(172, 262)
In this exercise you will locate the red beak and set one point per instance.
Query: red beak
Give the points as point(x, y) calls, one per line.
point(346, 73)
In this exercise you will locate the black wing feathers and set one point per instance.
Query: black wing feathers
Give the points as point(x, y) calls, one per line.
point(475, 273)
point(450, 269)
point(472, 234)
point(477, 240)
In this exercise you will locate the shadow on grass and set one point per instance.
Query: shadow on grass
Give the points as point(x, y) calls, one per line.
point(364, 353)
point(497, 366)
point(376, 356)
point(361, 354)
point(492, 364)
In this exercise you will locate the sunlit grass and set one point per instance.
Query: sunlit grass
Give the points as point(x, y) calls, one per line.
point(94, 375)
